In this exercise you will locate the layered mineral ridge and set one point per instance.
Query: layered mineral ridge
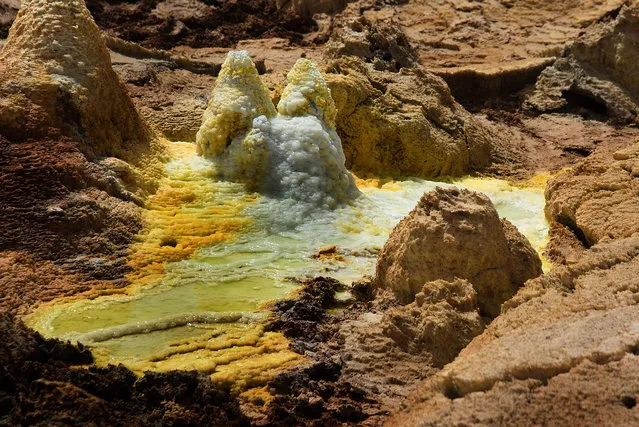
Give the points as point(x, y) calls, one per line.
point(78, 160)
point(247, 255)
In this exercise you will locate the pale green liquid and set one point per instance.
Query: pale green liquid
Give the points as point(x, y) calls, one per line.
point(240, 275)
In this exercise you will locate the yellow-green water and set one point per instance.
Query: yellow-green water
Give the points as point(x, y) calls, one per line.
point(219, 284)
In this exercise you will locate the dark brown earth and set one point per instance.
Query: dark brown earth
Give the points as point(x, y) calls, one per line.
point(317, 393)
point(65, 227)
point(211, 23)
point(68, 202)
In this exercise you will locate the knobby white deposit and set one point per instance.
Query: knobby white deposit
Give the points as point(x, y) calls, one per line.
point(291, 153)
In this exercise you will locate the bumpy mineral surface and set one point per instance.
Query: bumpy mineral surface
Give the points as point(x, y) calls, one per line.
point(574, 323)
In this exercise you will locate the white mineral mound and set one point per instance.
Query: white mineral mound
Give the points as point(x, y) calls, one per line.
point(293, 154)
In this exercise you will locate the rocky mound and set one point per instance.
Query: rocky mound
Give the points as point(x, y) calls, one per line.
point(556, 353)
point(597, 76)
point(42, 385)
point(239, 96)
point(407, 123)
point(382, 44)
point(452, 234)
point(394, 117)
point(441, 321)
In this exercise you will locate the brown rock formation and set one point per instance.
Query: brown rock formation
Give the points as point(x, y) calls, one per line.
point(564, 340)
point(386, 351)
point(597, 200)
point(441, 321)
point(564, 348)
point(489, 50)
point(452, 234)
point(396, 118)
point(550, 143)
point(484, 50)
point(589, 394)
point(407, 123)
point(576, 326)
point(58, 206)
point(169, 90)
point(597, 78)
point(612, 47)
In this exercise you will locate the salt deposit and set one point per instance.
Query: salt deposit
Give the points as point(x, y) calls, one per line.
point(295, 155)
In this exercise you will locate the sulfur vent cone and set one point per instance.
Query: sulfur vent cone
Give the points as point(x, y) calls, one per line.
point(239, 96)
point(307, 93)
point(56, 78)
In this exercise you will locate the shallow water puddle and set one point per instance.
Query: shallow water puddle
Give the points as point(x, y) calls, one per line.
point(211, 254)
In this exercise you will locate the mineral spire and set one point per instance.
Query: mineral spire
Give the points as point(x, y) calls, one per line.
point(238, 97)
point(307, 93)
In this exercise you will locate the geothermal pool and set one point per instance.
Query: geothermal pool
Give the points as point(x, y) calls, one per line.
point(211, 254)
